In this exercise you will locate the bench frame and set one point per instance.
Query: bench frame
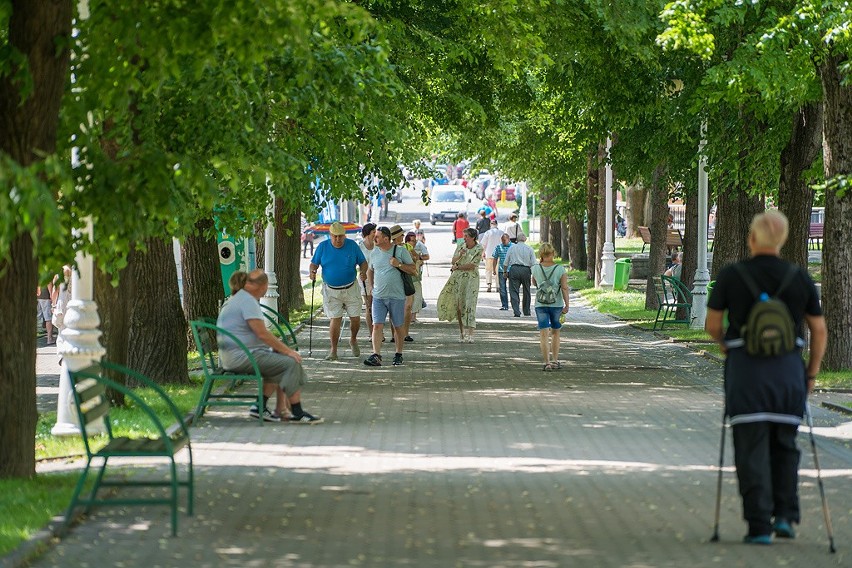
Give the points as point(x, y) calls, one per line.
point(672, 294)
point(205, 335)
point(674, 240)
point(89, 387)
point(280, 324)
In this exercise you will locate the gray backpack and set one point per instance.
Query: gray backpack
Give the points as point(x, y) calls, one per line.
point(546, 291)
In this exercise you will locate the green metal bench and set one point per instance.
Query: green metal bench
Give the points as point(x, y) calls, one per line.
point(280, 324)
point(89, 387)
point(672, 295)
point(205, 334)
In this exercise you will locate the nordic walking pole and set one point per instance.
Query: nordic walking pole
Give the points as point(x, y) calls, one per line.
point(715, 537)
point(311, 325)
point(825, 512)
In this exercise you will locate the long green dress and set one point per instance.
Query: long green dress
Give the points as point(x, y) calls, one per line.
point(461, 292)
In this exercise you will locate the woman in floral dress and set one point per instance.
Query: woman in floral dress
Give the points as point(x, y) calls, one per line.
point(457, 300)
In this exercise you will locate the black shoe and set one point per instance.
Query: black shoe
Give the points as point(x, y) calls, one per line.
point(374, 360)
point(408, 338)
point(517, 315)
point(397, 360)
point(305, 418)
point(504, 309)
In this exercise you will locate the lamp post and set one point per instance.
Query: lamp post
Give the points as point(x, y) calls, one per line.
point(608, 254)
point(702, 275)
point(270, 299)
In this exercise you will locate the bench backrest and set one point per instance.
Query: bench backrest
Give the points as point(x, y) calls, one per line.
point(201, 332)
point(277, 321)
point(91, 402)
point(676, 290)
point(816, 230)
point(673, 238)
point(645, 233)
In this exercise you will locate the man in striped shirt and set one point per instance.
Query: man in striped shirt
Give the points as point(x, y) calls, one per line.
point(499, 266)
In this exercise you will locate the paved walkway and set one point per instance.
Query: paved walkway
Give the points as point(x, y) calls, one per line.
point(470, 456)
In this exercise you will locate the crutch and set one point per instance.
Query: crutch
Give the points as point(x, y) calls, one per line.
point(715, 537)
point(311, 325)
point(825, 512)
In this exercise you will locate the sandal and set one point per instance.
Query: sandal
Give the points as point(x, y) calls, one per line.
point(556, 364)
point(547, 367)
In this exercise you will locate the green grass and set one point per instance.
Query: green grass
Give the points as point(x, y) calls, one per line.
point(633, 245)
point(28, 505)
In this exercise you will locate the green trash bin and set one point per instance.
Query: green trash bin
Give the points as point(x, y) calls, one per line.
point(622, 274)
point(525, 227)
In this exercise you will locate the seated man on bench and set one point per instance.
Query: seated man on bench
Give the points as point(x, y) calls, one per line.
point(280, 366)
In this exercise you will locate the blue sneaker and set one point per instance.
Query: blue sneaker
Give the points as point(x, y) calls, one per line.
point(758, 539)
point(783, 529)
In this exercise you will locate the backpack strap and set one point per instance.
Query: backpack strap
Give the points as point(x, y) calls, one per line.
point(755, 291)
point(546, 277)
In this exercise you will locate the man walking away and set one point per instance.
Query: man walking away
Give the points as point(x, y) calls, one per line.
point(520, 259)
point(499, 269)
point(341, 294)
point(489, 241)
point(368, 242)
point(766, 385)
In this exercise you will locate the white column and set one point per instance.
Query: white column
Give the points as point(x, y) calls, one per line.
point(702, 275)
point(271, 297)
point(608, 254)
point(78, 343)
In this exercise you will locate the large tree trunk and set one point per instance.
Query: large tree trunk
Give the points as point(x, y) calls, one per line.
point(635, 209)
point(659, 200)
point(288, 256)
point(592, 214)
point(734, 212)
point(157, 345)
point(577, 243)
point(40, 32)
point(202, 294)
point(837, 252)
point(114, 304)
point(565, 241)
point(795, 196)
point(690, 238)
point(555, 236)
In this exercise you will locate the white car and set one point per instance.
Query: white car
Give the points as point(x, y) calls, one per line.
point(447, 202)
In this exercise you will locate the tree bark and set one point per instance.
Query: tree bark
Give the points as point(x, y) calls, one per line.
point(635, 209)
point(555, 236)
point(202, 294)
point(690, 238)
point(41, 32)
point(544, 228)
point(591, 214)
point(795, 195)
point(288, 254)
point(837, 249)
point(577, 243)
point(734, 211)
point(565, 245)
point(114, 310)
point(659, 200)
point(157, 341)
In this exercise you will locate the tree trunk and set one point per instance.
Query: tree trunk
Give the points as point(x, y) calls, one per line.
point(690, 238)
point(114, 310)
point(634, 215)
point(555, 236)
point(591, 214)
point(202, 294)
point(659, 200)
point(795, 195)
point(157, 341)
point(565, 244)
point(837, 249)
point(544, 228)
point(288, 254)
point(41, 32)
point(734, 212)
point(577, 243)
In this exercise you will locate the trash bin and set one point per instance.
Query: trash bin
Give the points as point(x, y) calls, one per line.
point(622, 274)
point(525, 227)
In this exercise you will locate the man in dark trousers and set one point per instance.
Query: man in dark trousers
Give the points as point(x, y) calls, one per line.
point(765, 396)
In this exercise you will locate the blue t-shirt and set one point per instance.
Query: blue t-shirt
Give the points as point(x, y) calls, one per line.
point(338, 264)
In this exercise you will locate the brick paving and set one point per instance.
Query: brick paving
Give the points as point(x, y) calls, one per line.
point(470, 456)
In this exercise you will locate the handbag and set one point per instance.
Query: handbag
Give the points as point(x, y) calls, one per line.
point(407, 279)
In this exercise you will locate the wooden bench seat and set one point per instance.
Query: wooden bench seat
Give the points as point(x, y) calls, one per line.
point(815, 236)
point(89, 387)
point(674, 240)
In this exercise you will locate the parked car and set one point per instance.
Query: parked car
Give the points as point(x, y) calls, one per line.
point(497, 192)
point(447, 202)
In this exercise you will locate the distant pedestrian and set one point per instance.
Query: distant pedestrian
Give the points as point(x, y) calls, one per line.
point(388, 293)
point(500, 269)
point(420, 254)
point(43, 310)
point(418, 231)
point(520, 260)
point(367, 245)
point(61, 297)
point(549, 275)
point(339, 257)
point(766, 393)
point(459, 225)
point(308, 235)
point(483, 223)
point(513, 228)
point(489, 241)
point(458, 298)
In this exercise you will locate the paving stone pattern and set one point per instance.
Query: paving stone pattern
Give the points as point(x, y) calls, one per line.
point(470, 456)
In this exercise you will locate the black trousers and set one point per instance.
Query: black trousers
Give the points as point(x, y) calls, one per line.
point(767, 461)
point(519, 276)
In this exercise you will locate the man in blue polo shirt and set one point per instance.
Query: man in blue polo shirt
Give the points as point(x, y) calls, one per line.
point(338, 258)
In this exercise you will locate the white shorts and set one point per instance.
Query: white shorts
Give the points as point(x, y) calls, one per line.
point(337, 303)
